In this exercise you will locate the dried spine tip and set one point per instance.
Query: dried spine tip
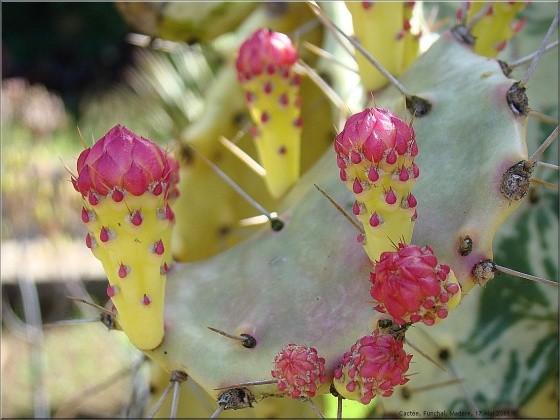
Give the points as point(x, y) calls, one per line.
point(299, 371)
point(375, 154)
point(374, 365)
point(410, 285)
point(247, 340)
point(123, 179)
point(265, 71)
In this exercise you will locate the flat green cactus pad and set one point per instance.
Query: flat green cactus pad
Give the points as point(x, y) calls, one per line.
point(308, 284)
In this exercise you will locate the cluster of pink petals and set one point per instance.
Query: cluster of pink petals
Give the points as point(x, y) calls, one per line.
point(374, 365)
point(123, 159)
point(411, 286)
point(299, 371)
point(265, 51)
point(372, 134)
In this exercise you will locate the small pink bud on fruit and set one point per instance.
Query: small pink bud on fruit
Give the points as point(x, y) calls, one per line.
point(357, 186)
point(156, 188)
point(517, 25)
point(157, 247)
point(375, 220)
point(299, 371)
point(265, 51)
point(390, 197)
point(403, 174)
point(117, 195)
point(106, 234)
point(90, 241)
point(93, 198)
point(85, 215)
point(499, 47)
point(169, 215)
point(391, 158)
point(249, 96)
point(409, 202)
point(123, 270)
point(112, 290)
point(136, 218)
point(415, 170)
point(373, 174)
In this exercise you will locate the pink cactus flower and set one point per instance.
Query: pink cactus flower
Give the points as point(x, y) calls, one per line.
point(374, 365)
point(410, 285)
point(374, 134)
point(299, 371)
point(124, 159)
point(265, 51)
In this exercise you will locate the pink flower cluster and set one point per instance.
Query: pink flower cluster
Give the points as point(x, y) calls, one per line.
point(411, 286)
point(265, 51)
point(299, 371)
point(122, 160)
point(374, 365)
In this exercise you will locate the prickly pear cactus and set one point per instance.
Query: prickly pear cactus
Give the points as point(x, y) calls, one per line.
point(310, 309)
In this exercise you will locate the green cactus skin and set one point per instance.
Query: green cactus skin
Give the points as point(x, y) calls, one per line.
point(322, 293)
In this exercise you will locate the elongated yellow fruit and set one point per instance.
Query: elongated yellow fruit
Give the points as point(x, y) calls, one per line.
point(127, 183)
point(496, 27)
point(378, 26)
point(265, 70)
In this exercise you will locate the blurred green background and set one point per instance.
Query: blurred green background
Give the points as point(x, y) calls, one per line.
point(57, 60)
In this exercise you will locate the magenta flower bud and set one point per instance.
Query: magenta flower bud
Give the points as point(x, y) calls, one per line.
point(265, 51)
